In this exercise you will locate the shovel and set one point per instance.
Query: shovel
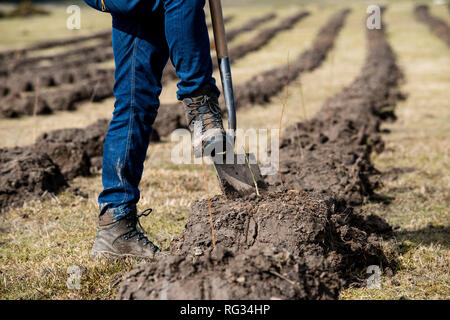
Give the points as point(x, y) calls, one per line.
point(239, 174)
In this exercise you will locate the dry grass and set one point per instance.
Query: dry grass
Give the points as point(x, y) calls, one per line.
point(41, 240)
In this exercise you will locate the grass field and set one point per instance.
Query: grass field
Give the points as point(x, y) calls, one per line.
point(41, 240)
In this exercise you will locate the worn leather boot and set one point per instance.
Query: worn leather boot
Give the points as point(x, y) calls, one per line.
point(204, 119)
point(123, 238)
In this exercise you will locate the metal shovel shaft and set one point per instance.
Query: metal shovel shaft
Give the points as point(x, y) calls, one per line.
point(224, 62)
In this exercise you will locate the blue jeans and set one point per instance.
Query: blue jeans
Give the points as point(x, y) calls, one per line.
point(145, 34)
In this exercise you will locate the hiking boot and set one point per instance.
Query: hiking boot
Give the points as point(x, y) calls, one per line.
point(123, 238)
point(204, 119)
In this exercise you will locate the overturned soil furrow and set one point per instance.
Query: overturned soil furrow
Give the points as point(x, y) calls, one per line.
point(437, 26)
point(41, 66)
point(44, 66)
point(250, 25)
point(82, 85)
point(287, 244)
point(73, 61)
point(256, 43)
point(261, 88)
point(27, 173)
point(6, 56)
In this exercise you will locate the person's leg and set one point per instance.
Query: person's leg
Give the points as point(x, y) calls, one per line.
point(190, 53)
point(140, 53)
point(188, 40)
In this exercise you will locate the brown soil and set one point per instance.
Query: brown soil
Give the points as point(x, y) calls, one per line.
point(294, 221)
point(8, 55)
point(257, 273)
point(317, 228)
point(26, 173)
point(438, 26)
point(78, 152)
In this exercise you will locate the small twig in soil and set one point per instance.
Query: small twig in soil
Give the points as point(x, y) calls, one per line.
point(213, 236)
point(281, 117)
point(283, 277)
point(253, 175)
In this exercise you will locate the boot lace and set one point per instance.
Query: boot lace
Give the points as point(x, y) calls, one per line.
point(138, 230)
point(211, 113)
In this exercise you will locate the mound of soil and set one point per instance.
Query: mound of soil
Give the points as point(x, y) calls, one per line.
point(65, 97)
point(294, 221)
point(257, 273)
point(77, 152)
point(47, 165)
point(282, 245)
point(438, 26)
point(26, 173)
point(318, 229)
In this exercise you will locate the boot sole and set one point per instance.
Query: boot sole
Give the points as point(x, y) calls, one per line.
point(107, 255)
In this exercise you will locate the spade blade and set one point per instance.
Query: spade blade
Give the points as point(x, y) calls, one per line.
point(239, 177)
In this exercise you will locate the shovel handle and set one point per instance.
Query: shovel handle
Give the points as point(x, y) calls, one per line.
point(218, 28)
point(224, 62)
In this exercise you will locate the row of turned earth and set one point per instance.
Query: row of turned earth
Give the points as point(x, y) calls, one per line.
point(12, 55)
point(306, 239)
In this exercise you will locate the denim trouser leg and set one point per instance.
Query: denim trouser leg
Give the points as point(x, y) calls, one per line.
point(140, 53)
point(145, 33)
point(188, 40)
